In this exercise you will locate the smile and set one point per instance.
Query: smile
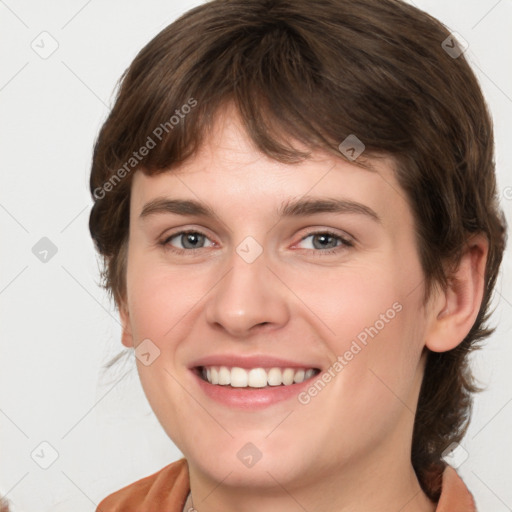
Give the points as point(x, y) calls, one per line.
point(237, 377)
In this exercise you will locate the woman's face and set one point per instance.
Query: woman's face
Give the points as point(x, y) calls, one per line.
point(288, 272)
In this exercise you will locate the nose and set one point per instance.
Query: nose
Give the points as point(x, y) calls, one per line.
point(247, 299)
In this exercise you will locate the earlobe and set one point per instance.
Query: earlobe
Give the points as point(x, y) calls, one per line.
point(456, 308)
point(126, 336)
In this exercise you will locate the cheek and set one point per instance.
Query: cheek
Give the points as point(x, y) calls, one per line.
point(160, 298)
point(371, 319)
point(375, 373)
point(353, 302)
point(161, 302)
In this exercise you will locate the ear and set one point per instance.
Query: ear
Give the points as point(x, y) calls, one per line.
point(455, 309)
point(126, 336)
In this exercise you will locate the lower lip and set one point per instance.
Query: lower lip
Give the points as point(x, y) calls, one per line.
point(251, 398)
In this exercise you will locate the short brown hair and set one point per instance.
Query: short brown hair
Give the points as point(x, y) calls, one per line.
point(318, 72)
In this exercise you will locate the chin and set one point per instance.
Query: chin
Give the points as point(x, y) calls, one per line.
point(244, 464)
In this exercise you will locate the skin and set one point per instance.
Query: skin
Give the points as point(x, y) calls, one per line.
point(349, 447)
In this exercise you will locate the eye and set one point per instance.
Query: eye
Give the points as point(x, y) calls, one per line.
point(187, 240)
point(325, 241)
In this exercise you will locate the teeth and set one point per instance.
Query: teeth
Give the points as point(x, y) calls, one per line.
point(274, 377)
point(309, 373)
point(239, 378)
point(224, 376)
point(256, 377)
point(288, 376)
point(299, 376)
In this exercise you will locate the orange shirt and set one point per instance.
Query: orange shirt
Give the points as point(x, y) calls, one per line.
point(167, 491)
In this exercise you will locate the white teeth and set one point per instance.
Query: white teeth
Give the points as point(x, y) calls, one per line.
point(299, 376)
point(224, 376)
point(274, 377)
point(256, 377)
point(239, 377)
point(288, 376)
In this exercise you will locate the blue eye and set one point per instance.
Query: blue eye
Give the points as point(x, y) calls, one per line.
point(326, 241)
point(321, 242)
point(187, 240)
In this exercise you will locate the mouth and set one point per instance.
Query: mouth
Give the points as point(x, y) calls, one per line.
point(254, 378)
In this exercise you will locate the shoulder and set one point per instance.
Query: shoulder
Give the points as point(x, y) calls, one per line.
point(166, 489)
point(455, 496)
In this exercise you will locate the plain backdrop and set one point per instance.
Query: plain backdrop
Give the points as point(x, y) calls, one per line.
point(93, 430)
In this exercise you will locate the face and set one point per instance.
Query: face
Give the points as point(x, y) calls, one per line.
point(276, 311)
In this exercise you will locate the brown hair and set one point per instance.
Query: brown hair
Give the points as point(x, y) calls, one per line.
point(318, 72)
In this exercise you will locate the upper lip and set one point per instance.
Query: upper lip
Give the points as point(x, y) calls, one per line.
point(254, 361)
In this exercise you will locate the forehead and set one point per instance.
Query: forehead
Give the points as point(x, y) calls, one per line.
point(230, 173)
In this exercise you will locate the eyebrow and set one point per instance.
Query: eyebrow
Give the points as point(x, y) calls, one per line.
point(291, 208)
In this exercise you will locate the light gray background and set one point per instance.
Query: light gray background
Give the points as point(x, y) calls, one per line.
point(57, 325)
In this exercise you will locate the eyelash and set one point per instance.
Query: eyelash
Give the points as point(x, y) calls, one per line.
point(345, 243)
